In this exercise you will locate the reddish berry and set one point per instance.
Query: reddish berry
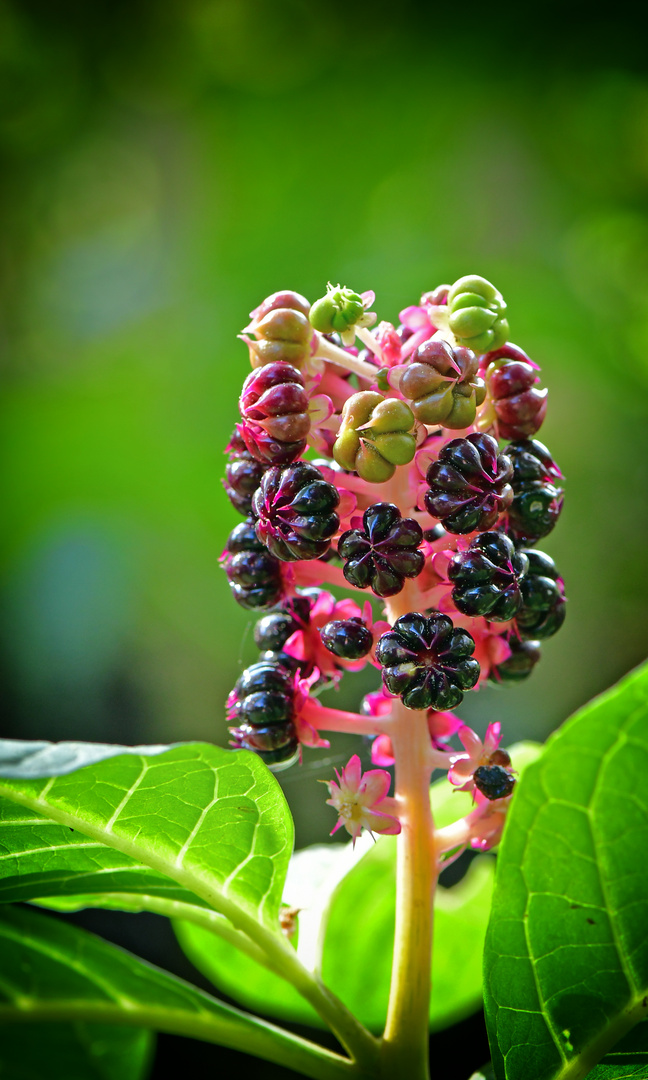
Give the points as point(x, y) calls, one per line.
point(519, 408)
point(242, 474)
point(274, 408)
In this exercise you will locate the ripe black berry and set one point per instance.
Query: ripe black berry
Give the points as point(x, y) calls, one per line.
point(350, 639)
point(262, 704)
point(295, 512)
point(538, 496)
point(543, 601)
point(487, 577)
point(384, 552)
point(242, 475)
point(469, 484)
point(519, 665)
point(253, 573)
point(494, 781)
point(427, 662)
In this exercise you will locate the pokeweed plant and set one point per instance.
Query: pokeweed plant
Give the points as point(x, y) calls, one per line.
point(409, 497)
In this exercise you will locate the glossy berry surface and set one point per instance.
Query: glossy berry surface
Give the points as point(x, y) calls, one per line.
point(518, 405)
point(519, 665)
point(427, 662)
point(349, 639)
point(487, 577)
point(384, 552)
point(253, 573)
point(469, 484)
point(543, 601)
point(274, 411)
point(262, 705)
point(494, 781)
point(295, 512)
point(443, 385)
point(537, 491)
point(242, 475)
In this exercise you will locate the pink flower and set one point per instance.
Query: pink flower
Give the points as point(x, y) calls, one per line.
point(487, 821)
point(361, 801)
point(306, 643)
point(478, 753)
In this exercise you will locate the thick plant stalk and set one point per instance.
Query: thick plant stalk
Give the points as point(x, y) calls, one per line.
point(405, 1041)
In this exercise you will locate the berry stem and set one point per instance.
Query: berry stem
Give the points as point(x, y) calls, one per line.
point(326, 719)
point(315, 572)
point(405, 1041)
point(328, 351)
point(367, 338)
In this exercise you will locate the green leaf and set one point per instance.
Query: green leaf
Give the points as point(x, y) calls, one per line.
point(566, 960)
point(349, 898)
point(192, 822)
point(52, 971)
point(80, 1051)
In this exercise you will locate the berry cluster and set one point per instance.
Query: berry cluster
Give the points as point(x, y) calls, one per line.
point(429, 491)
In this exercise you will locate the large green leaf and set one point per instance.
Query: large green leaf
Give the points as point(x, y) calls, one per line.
point(52, 971)
point(76, 1051)
point(566, 960)
point(348, 904)
point(192, 822)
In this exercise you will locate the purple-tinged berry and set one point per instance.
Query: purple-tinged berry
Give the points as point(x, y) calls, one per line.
point(487, 576)
point(469, 484)
point(349, 639)
point(443, 385)
point(517, 407)
point(543, 599)
point(382, 554)
point(537, 493)
point(427, 662)
point(519, 665)
point(295, 512)
point(253, 573)
point(242, 474)
point(274, 408)
point(494, 781)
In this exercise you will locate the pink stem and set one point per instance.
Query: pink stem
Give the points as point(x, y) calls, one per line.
point(315, 572)
point(326, 719)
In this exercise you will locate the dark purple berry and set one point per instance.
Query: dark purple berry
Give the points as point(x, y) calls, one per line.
point(427, 662)
point(262, 707)
point(537, 493)
point(253, 573)
point(350, 639)
point(519, 665)
point(469, 484)
point(277, 745)
point(382, 554)
point(242, 474)
point(494, 781)
point(487, 577)
point(295, 512)
point(543, 599)
point(272, 631)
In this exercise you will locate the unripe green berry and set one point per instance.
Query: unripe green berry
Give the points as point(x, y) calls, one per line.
point(375, 436)
point(476, 314)
point(337, 311)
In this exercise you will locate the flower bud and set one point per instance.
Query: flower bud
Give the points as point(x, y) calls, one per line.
point(476, 314)
point(443, 385)
point(337, 311)
point(375, 436)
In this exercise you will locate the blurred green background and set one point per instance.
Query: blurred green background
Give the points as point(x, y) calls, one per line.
point(166, 165)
